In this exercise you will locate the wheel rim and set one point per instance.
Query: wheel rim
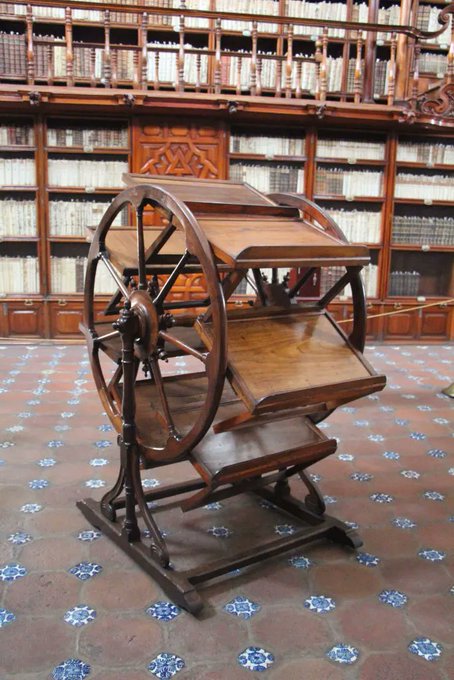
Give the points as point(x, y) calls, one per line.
point(162, 433)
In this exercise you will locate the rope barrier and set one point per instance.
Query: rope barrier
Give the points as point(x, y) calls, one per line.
point(401, 311)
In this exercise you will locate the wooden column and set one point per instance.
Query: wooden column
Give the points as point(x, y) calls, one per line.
point(403, 63)
point(370, 54)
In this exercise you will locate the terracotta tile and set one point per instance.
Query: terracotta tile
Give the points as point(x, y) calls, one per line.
point(292, 627)
point(120, 641)
point(399, 666)
point(48, 641)
point(309, 669)
point(43, 594)
point(113, 590)
point(348, 580)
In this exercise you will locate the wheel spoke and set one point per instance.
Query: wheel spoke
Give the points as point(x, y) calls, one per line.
point(113, 272)
point(171, 280)
point(335, 290)
point(183, 346)
point(154, 365)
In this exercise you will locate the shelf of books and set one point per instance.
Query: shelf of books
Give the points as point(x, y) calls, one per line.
point(85, 164)
point(422, 235)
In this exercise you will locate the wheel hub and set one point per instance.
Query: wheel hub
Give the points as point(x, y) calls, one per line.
point(147, 315)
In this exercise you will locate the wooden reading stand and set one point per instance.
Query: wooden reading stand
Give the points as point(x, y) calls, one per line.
point(263, 376)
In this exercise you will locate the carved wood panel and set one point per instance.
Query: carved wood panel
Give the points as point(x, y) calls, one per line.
point(182, 150)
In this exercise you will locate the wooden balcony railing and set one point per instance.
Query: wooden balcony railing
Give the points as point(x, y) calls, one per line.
point(182, 49)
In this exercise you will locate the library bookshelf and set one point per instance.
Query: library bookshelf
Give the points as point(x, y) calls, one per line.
point(217, 96)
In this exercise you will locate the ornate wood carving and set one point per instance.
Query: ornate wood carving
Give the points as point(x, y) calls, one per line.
point(438, 101)
point(181, 150)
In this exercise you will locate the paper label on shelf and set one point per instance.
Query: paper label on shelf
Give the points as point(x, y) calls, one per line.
point(246, 33)
point(427, 201)
point(420, 298)
point(429, 164)
point(380, 42)
point(352, 161)
point(425, 247)
point(269, 157)
point(444, 46)
point(440, 74)
point(88, 148)
point(89, 190)
point(349, 198)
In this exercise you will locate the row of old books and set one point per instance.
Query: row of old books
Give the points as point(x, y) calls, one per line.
point(162, 63)
point(88, 138)
point(404, 283)
point(85, 173)
point(350, 149)
point(72, 218)
point(12, 54)
point(266, 7)
point(68, 276)
point(19, 275)
point(434, 231)
point(433, 63)
point(349, 183)
point(426, 187)
point(427, 20)
point(330, 275)
point(17, 172)
point(16, 135)
point(269, 178)
point(334, 11)
point(268, 146)
point(426, 152)
point(359, 226)
point(17, 218)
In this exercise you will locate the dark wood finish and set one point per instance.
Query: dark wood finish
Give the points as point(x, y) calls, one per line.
point(245, 412)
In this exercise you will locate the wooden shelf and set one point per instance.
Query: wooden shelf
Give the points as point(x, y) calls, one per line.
point(352, 162)
point(81, 190)
point(27, 188)
point(354, 199)
point(422, 248)
point(12, 239)
point(67, 239)
point(234, 156)
point(423, 166)
point(17, 148)
point(120, 151)
point(422, 201)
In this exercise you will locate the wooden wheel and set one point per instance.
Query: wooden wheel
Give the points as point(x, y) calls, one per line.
point(144, 266)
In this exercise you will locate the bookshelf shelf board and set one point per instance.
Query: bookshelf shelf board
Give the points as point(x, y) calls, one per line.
point(414, 247)
point(234, 155)
point(21, 239)
point(423, 166)
point(81, 150)
point(346, 161)
point(353, 199)
point(14, 148)
point(67, 239)
point(86, 190)
point(422, 201)
point(27, 188)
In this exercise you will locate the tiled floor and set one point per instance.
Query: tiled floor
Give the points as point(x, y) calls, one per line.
point(73, 606)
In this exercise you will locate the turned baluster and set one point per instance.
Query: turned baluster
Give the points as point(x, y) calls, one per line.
point(289, 62)
point(253, 74)
point(324, 66)
point(69, 47)
point(30, 53)
point(217, 58)
point(278, 84)
point(259, 76)
point(156, 70)
point(358, 75)
point(415, 78)
point(107, 52)
point(318, 61)
point(239, 66)
point(135, 70)
point(198, 71)
point(299, 70)
point(143, 53)
point(50, 64)
point(392, 70)
point(180, 57)
point(114, 70)
point(92, 67)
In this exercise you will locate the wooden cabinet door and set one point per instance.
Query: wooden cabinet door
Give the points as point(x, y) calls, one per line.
point(435, 323)
point(403, 326)
point(23, 319)
point(65, 317)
